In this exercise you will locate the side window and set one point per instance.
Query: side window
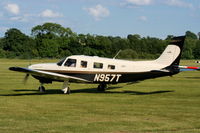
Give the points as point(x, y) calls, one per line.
point(112, 67)
point(70, 63)
point(98, 65)
point(83, 64)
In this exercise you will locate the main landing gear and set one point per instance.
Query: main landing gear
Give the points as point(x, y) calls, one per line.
point(66, 89)
point(102, 87)
point(41, 88)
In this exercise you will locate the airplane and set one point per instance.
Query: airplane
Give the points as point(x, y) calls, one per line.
point(197, 61)
point(104, 71)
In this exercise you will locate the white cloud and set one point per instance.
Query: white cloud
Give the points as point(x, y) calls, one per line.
point(98, 12)
point(178, 3)
point(50, 14)
point(139, 2)
point(12, 8)
point(143, 18)
point(19, 18)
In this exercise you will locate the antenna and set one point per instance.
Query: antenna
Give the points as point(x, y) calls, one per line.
point(117, 54)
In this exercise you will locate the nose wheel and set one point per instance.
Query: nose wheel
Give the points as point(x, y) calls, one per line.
point(66, 89)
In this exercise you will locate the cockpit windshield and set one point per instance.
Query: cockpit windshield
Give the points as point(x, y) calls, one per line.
point(61, 62)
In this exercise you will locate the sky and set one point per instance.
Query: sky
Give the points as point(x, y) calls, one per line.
point(154, 18)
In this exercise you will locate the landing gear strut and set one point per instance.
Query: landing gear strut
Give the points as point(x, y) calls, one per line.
point(66, 88)
point(41, 88)
point(102, 87)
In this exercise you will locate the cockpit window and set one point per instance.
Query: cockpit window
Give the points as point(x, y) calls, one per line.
point(70, 63)
point(61, 62)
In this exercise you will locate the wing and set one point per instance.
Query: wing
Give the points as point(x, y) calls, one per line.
point(44, 74)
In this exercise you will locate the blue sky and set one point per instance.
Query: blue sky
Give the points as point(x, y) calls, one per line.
point(155, 18)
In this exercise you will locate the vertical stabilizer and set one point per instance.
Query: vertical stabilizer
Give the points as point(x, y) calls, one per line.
point(172, 54)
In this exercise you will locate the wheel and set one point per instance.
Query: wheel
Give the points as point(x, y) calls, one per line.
point(41, 89)
point(101, 87)
point(66, 90)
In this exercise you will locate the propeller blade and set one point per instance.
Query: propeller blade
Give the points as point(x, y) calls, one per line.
point(26, 78)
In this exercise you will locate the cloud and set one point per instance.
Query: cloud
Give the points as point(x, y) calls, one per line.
point(50, 14)
point(139, 2)
point(12, 8)
point(178, 3)
point(142, 18)
point(98, 12)
point(19, 18)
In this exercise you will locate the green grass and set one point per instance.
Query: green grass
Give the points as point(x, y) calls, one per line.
point(168, 104)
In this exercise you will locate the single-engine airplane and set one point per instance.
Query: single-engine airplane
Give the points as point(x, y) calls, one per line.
point(103, 71)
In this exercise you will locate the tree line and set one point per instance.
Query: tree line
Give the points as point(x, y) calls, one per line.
point(51, 40)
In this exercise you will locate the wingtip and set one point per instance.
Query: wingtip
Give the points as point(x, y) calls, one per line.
point(12, 68)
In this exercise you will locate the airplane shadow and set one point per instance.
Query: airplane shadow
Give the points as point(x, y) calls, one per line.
point(88, 90)
point(193, 77)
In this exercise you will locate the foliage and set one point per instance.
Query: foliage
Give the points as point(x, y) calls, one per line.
point(131, 54)
point(17, 44)
point(51, 40)
point(191, 35)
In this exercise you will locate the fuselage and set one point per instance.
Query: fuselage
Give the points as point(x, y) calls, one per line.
point(105, 70)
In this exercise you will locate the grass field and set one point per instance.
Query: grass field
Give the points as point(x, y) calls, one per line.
point(169, 104)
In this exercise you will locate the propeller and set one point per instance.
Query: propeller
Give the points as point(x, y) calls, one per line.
point(27, 75)
point(26, 78)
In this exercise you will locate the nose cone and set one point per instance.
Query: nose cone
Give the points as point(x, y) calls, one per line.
point(30, 67)
point(43, 66)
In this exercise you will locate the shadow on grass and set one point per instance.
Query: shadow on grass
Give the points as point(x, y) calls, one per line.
point(88, 90)
point(192, 77)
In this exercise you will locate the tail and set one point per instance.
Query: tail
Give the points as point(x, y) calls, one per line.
point(172, 53)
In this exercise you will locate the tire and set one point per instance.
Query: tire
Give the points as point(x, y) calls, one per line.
point(101, 87)
point(41, 89)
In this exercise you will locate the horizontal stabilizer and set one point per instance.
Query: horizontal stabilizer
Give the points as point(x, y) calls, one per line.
point(188, 68)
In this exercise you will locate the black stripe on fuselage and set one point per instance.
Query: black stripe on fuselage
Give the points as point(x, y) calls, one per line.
point(114, 77)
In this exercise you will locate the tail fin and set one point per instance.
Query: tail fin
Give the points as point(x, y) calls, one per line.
point(172, 54)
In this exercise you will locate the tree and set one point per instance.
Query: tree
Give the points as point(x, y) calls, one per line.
point(51, 30)
point(17, 44)
point(191, 35)
point(52, 40)
point(197, 50)
point(2, 52)
point(169, 37)
point(128, 54)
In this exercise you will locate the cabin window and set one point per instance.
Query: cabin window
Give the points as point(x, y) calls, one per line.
point(112, 67)
point(98, 65)
point(83, 64)
point(70, 63)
